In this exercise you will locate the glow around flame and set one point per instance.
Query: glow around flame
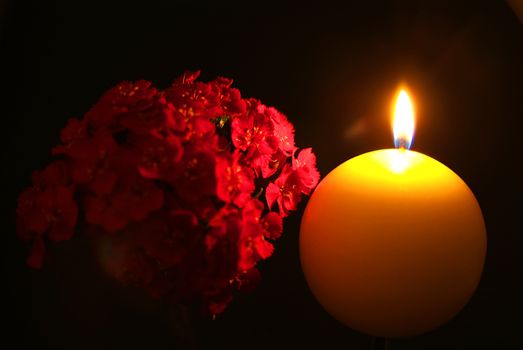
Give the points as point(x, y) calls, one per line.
point(403, 121)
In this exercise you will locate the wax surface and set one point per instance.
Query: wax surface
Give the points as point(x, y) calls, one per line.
point(392, 243)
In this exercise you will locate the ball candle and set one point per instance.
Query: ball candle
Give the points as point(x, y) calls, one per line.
point(393, 242)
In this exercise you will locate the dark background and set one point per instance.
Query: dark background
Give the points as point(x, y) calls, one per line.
point(333, 69)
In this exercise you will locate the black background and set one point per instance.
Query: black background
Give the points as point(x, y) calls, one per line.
point(333, 69)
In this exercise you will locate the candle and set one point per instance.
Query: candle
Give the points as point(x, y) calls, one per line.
point(393, 242)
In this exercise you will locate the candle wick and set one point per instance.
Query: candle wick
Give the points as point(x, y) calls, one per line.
point(402, 143)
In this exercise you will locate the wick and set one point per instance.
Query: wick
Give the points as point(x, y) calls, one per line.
point(401, 143)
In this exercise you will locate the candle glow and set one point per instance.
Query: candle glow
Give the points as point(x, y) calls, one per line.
point(403, 131)
point(403, 121)
point(392, 242)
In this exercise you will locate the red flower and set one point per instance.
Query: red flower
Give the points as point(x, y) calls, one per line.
point(195, 177)
point(200, 129)
point(170, 182)
point(74, 130)
point(88, 154)
point(192, 99)
point(166, 238)
point(283, 129)
point(286, 191)
point(229, 98)
point(124, 98)
point(62, 212)
point(305, 166)
point(53, 199)
point(151, 115)
point(132, 199)
point(47, 208)
point(188, 77)
point(158, 156)
point(272, 225)
point(253, 133)
point(222, 251)
point(302, 177)
point(253, 245)
point(226, 223)
point(31, 218)
point(271, 164)
point(234, 181)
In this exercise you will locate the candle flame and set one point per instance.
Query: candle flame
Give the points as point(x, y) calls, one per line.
point(403, 121)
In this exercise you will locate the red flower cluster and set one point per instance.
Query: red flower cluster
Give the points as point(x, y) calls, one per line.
point(174, 180)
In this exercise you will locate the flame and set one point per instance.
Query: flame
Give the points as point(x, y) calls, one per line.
point(403, 121)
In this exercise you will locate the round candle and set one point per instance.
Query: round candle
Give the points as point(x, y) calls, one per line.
point(392, 243)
